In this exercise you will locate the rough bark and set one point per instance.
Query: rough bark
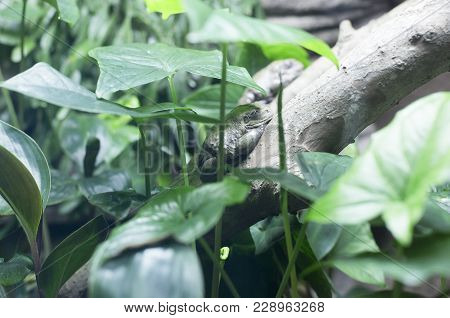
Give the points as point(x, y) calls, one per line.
point(380, 63)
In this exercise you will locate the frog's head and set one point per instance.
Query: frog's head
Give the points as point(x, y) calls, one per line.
point(242, 133)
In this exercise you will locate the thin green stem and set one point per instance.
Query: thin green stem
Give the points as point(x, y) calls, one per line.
point(181, 140)
point(215, 261)
point(147, 177)
point(9, 104)
point(292, 260)
point(22, 35)
point(283, 192)
point(220, 172)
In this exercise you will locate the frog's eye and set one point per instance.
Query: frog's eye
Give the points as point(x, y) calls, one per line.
point(250, 115)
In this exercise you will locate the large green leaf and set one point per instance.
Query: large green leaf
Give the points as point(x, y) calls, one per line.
point(67, 10)
point(425, 258)
point(435, 218)
point(24, 178)
point(267, 232)
point(183, 213)
point(47, 84)
point(72, 253)
point(64, 188)
point(166, 7)
point(222, 26)
point(393, 177)
point(126, 66)
point(14, 270)
point(169, 270)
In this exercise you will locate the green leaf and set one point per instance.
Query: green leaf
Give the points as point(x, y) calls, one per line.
point(267, 232)
point(321, 169)
point(14, 270)
point(109, 181)
point(354, 240)
point(436, 218)
point(77, 130)
point(126, 66)
point(290, 182)
point(425, 258)
point(67, 10)
point(365, 273)
point(166, 7)
point(215, 26)
point(184, 214)
point(393, 177)
point(322, 237)
point(72, 253)
point(286, 51)
point(169, 270)
point(24, 178)
point(45, 83)
point(63, 188)
point(118, 204)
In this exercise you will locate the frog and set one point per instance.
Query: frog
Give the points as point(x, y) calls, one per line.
point(244, 130)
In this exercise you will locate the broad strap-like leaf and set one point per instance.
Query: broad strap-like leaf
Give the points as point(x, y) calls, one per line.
point(167, 270)
point(184, 214)
point(24, 178)
point(47, 84)
point(215, 26)
point(394, 176)
point(126, 66)
point(72, 253)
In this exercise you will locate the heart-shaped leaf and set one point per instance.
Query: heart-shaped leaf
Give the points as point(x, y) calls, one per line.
point(403, 161)
point(14, 270)
point(118, 204)
point(126, 66)
point(216, 26)
point(169, 270)
point(24, 178)
point(184, 214)
point(72, 253)
point(45, 83)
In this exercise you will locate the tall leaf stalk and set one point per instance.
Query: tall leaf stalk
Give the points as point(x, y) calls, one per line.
point(284, 194)
point(147, 177)
point(9, 104)
point(220, 172)
point(181, 139)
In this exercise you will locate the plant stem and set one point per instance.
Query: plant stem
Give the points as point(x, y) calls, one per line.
point(215, 261)
point(283, 192)
point(181, 140)
point(22, 35)
point(9, 104)
point(292, 260)
point(220, 172)
point(148, 181)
